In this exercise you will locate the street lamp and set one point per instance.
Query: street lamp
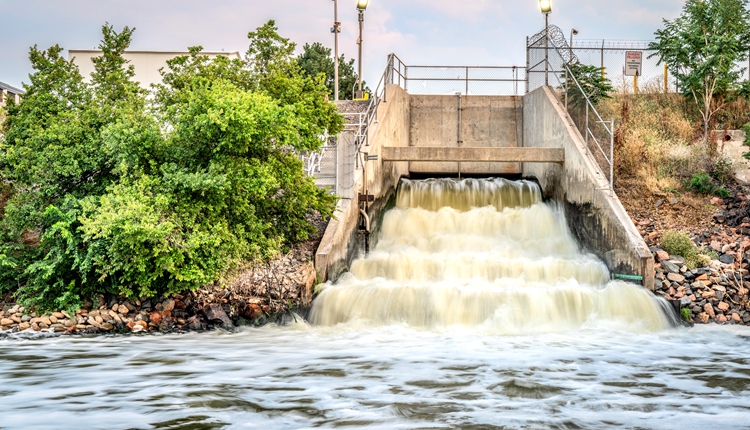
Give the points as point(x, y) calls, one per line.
point(546, 8)
point(336, 29)
point(573, 32)
point(361, 6)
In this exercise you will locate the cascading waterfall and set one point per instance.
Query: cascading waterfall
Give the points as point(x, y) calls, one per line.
point(482, 253)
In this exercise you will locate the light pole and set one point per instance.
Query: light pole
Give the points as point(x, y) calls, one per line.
point(361, 6)
point(336, 29)
point(573, 32)
point(546, 8)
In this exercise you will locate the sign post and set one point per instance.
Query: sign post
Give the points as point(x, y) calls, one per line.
point(633, 66)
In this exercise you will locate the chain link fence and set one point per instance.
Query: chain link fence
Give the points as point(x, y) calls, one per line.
point(548, 57)
point(610, 56)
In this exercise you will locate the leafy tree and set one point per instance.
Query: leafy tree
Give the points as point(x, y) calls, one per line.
point(702, 47)
point(316, 59)
point(594, 85)
point(143, 198)
point(54, 157)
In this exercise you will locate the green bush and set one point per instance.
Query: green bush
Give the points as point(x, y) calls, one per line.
point(142, 198)
point(704, 184)
point(679, 243)
point(686, 314)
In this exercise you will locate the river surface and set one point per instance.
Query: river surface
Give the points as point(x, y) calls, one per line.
point(476, 309)
point(299, 376)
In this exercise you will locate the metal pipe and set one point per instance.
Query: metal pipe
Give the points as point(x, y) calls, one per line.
point(367, 220)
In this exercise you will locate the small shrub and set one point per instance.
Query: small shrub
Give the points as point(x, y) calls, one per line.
point(723, 169)
point(710, 254)
point(686, 314)
point(679, 243)
point(704, 184)
point(701, 182)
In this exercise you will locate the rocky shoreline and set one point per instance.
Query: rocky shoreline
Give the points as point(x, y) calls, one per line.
point(717, 292)
point(264, 293)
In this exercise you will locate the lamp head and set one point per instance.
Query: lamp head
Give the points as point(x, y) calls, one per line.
point(574, 31)
point(362, 4)
point(545, 6)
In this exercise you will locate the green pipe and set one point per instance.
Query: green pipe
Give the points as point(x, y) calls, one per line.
point(628, 277)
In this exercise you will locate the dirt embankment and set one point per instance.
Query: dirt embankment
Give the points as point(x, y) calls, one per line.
point(720, 228)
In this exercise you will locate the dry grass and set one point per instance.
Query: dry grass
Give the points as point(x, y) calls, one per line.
point(656, 139)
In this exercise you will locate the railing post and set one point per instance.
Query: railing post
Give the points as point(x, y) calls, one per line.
point(406, 78)
point(566, 90)
point(586, 131)
point(527, 65)
point(612, 157)
point(466, 77)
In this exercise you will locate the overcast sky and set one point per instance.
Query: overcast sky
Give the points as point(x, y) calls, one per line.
point(425, 32)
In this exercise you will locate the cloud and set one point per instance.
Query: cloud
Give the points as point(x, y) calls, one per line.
point(425, 31)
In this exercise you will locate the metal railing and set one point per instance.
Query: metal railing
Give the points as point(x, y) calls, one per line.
point(552, 64)
point(467, 80)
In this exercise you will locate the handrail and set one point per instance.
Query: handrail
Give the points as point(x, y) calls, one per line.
point(589, 107)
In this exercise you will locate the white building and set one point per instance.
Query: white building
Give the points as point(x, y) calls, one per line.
point(146, 63)
point(8, 92)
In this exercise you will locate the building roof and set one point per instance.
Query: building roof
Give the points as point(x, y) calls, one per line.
point(11, 89)
point(174, 53)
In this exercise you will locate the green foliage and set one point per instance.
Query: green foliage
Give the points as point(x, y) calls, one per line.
point(686, 314)
point(702, 47)
point(679, 243)
point(143, 198)
point(595, 86)
point(316, 59)
point(722, 169)
point(704, 184)
point(746, 129)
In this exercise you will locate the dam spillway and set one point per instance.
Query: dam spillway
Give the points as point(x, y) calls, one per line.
point(486, 253)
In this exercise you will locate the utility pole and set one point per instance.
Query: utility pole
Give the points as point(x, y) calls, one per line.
point(336, 29)
point(361, 6)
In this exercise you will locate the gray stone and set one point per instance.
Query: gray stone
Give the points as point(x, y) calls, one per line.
point(659, 203)
point(720, 288)
point(675, 277)
point(670, 266)
point(726, 259)
point(214, 312)
point(677, 259)
point(719, 295)
point(684, 301)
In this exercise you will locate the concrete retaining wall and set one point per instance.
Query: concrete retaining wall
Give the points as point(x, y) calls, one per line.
point(597, 219)
point(465, 121)
point(341, 242)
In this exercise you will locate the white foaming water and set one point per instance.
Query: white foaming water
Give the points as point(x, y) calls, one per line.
point(441, 367)
point(482, 253)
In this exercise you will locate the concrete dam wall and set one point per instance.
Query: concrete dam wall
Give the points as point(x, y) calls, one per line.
point(527, 136)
